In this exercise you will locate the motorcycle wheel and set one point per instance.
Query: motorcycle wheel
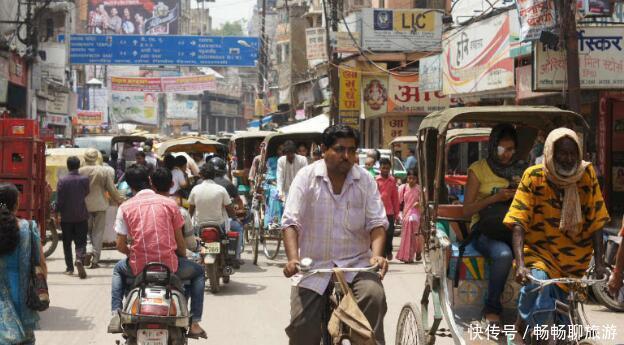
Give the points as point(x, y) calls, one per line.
point(601, 292)
point(51, 238)
point(213, 278)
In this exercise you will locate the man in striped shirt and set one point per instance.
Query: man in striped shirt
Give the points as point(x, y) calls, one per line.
point(334, 215)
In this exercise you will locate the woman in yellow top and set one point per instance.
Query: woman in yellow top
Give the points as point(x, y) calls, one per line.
point(491, 186)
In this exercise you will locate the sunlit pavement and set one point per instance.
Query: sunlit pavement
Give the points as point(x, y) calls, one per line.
point(252, 309)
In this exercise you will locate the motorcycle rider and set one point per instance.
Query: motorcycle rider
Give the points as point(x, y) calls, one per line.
point(154, 223)
point(220, 170)
point(209, 202)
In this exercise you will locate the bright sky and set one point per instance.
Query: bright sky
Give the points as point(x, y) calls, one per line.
point(223, 11)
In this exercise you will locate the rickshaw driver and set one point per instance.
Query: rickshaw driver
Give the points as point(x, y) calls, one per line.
point(334, 215)
point(556, 216)
point(287, 168)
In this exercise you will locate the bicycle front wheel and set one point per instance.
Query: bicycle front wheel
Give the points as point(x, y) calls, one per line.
point(410, 329)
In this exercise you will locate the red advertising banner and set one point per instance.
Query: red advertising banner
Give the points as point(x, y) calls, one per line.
point(89, 118)
point(164, 84)
point(192, 83)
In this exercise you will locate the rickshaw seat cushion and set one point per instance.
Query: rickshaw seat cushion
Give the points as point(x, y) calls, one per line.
point(472, 266)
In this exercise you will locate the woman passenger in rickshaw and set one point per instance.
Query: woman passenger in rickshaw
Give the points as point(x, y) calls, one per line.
point(491, 185)
point(274, 206)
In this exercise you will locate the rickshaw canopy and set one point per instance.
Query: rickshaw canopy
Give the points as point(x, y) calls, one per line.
point(250, 135)
point(190, 145)
point(544, 117)
point(462, 135)
point(407, 139)
point(273, 141)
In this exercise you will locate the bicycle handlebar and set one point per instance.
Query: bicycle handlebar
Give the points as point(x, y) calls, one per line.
point(373, 268)
point(583, 281)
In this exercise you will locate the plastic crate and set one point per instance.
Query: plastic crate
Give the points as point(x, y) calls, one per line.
point(22, 158)
point(26, 188)
point(20, 128)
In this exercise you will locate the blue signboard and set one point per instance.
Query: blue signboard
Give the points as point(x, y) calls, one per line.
point(226, 51)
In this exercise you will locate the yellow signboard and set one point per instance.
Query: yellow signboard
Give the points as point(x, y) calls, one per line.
point(414, 20)
point(350, 82)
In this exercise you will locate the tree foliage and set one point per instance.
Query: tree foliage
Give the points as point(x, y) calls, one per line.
point(234, 28)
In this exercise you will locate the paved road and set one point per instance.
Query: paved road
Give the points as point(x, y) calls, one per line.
point(252, 309)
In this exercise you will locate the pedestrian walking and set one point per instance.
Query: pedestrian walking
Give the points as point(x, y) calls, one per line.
point(17, 321)
point(390, 196)
point(100, 183)
point(73, 216)
point(411, 238)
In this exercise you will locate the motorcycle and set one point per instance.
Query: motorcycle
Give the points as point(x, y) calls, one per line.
point(612, 242)
point(218, 254)
point(155, 310)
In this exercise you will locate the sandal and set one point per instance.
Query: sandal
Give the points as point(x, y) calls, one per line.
point(201, 334)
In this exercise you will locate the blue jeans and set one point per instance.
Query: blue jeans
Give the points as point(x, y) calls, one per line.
point(235, 225)
point(187, 270)
point(538, 308)
point(501, 259)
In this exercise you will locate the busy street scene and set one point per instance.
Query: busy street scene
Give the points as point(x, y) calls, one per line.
point(304, 172)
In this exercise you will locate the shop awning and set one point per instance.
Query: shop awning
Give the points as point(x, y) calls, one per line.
point(315, 124)
point(257, 123)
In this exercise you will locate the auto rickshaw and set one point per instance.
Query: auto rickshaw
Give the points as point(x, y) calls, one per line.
point(56, 168)
point(266, 208)
point(456, 294)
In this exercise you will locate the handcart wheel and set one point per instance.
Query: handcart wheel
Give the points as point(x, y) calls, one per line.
point(410, 329)
point(51, 238)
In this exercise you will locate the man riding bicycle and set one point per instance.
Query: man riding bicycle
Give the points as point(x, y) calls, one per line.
point(334, 215)
point(556, 217)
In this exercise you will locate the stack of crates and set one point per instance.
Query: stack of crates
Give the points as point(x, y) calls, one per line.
point(22, 163)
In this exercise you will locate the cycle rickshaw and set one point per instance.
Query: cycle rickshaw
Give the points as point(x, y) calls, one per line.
point(457, 298)
point(266, 225)
point(244, 146)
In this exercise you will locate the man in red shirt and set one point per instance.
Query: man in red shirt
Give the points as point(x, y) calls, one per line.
point(155, 224)
point(390, 196)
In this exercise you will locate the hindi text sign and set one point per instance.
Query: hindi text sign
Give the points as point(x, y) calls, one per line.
point(601, 61)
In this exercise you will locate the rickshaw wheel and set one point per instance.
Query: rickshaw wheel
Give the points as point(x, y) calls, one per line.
point(269, 251)
point(255, 240)
point(51, 238)
point(410, 330)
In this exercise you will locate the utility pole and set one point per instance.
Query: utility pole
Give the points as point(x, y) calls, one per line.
point(334, 81)
point(569, 36)
point(262, 61)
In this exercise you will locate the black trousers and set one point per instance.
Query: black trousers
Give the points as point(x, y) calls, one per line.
point(389, 235)
point(77, 233)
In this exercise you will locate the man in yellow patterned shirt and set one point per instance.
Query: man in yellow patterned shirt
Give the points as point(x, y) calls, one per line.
point(556, 218)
